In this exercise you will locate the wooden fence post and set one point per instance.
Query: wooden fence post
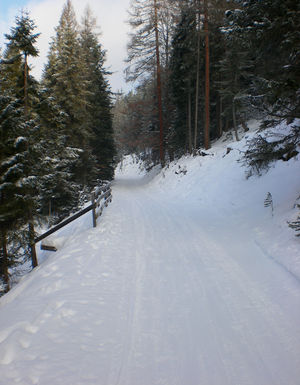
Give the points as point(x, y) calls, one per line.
point(94, 210)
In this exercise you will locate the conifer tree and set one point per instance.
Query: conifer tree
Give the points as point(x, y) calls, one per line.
point(12, 202)
point(182, 79)
point(271, 29)
point(20, 46)
point(235, 70)
point(152, 22)
point(22, 40)
point(59, 193)
point(65, 80)
point(98, 98)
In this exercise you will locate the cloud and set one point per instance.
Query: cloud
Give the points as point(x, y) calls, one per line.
point(111, 17)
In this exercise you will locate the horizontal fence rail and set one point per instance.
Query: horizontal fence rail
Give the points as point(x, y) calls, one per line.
point(63, 223)
point(100, 198)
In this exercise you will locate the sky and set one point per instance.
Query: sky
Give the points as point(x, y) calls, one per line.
point(111, 17)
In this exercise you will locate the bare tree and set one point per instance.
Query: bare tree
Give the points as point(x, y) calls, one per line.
point(149, 47)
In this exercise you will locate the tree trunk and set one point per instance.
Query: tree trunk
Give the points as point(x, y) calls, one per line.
point(220, 115)
point(226, 129)
point(158, 76)
point(207, 86)
point(4, 262)
point(234, 121)
point(197, 77)
point(34, 261)
point(244, 125)
point(189, 118)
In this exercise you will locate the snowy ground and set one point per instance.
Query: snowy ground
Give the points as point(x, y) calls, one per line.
point(187, 280)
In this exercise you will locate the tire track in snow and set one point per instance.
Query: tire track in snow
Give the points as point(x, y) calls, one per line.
point(129, 341)
point(227, 297)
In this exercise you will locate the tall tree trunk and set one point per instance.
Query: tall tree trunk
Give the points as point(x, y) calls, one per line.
point(207, 85)
point(226, 128)
point(197, 75)
point(34, 261)
point(31, 232)
point(220, 108)
point(234, 121)
point(189, 118)
point(4, 262)
point(158, 76)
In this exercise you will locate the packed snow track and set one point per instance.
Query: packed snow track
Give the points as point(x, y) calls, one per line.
point(162, 292)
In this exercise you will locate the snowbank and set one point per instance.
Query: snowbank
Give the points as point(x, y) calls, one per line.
point(218, 182)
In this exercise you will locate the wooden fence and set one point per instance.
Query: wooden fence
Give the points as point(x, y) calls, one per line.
point(100, 198)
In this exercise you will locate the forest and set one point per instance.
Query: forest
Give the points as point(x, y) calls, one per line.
point(199, 68)
point(56, 134)
point(221, 62)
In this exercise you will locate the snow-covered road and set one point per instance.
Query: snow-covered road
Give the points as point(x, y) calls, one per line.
point(206, 306)
point(162, 292)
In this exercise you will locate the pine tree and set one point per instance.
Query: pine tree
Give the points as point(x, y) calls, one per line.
point(22, 40)
point(142, 46)
point(58, 192)
point(195, 92)
point(272, 31)
point(183, 75)
point(65, 80)
point(98, 98)
point(235, 69)
point(152, 22)
point(20, 46)
point(12, 203)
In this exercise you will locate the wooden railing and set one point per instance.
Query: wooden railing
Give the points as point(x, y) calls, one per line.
point(100, 198)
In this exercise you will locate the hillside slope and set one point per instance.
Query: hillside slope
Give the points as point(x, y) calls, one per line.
point(188, 279)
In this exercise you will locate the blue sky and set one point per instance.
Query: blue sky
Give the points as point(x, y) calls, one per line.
point(5, 5)
point(110, 14)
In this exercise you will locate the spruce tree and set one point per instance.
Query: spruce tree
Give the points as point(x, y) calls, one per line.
point(98, 98)
point(18, 84)
point(13, 204)
point(183, 79)
point(65, 80)
point(58, 191)
point(272, 31)
point(235, 70)
point(22, 40)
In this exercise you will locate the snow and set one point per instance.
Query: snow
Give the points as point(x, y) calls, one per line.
point(187, 279)
point(19, 140)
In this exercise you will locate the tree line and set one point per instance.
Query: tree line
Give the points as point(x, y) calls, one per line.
point(221, 63)
point(56, 136)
